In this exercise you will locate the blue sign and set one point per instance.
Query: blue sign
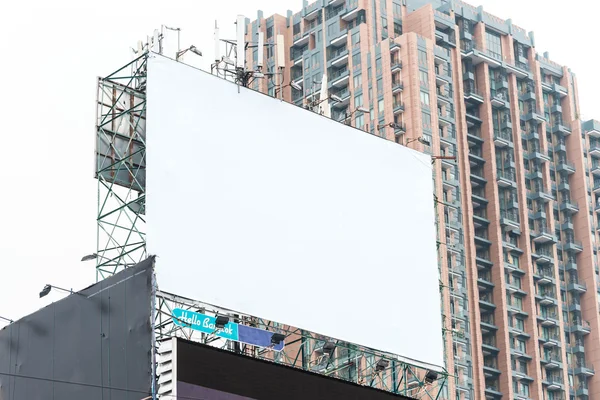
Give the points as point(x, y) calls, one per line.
point(232, 331)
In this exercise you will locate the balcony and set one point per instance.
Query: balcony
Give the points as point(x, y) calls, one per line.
point(570, 244)
point(570, 265)
point(397, 86)
point(301, 39)
point(583, 369)
point(339, 57)
point(596, 169)
point(562, 128)
point(553, 382)
point(473, 52)
point(596, 187)
point(499, 99)
point(592, 128)
point(506, 178)
point(582, 327)
point(528, 95)
point(542, 234)
point(339, 78)
point(473, 118)
point(548, 319)
point(473, 95)
point(502, 138)
point(546, 297)
point(559, 89)
point(493, 392)
point(595, 149)
point(556, 108)
point(577, 287)
point(534, 116)
point(340, 40)
point(395, 65)
point(550, 340)
point(539, 193)
point(510, 220)
point(352, 11)
point(344, 96)
point(398, 107)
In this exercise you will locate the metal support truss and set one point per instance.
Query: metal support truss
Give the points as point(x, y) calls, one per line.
point(120, 167)
point(306, 350)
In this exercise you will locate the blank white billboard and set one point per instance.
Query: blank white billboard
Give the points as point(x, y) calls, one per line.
point(262, 207)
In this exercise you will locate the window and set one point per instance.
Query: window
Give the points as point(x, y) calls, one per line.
point(331, 30)
point(384, 24)
point(397, 29)
point(422, 57)
point(519, 324)
point(494, 44)
point(426, 120)
point(397, 10)
point(358, 100)
point(356, 38)
point(425, 99)
point(297, 28)
point(360, 121)
point(356, 60)
point(380, 86)
point(319, 36)
point(521, 345)
point(269, 32)
point(314, 60)
point(424, 78)
point(357, 81)
point(380, 106)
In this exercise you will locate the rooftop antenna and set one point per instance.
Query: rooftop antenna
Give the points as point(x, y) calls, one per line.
point(232, 64)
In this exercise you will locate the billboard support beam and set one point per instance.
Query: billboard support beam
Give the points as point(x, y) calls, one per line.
point(119, 167)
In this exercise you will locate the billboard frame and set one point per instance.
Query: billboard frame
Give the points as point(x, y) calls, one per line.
point(303, 349)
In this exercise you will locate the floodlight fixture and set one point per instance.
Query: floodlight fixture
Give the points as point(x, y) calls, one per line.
point(431, 376)
point(328, 348)
point(192, 48)
point(257, 74)
point(89, 257)
point(277, 338)
point(362, 109)
point(381, 365)
point(49, 287)
point(335, 98)
point(221, 321)
point(296, 86)
point(419, 139)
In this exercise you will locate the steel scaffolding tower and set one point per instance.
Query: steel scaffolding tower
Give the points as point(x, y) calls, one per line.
point(120, 167)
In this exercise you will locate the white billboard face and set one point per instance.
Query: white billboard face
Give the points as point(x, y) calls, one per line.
point(262, 207)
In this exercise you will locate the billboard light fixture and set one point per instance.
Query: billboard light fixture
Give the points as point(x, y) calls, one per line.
point(381, 365)
point(221, 321)
point(277, 338)
point(431, 376)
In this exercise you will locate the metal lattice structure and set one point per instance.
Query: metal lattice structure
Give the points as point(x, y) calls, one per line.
point(306, 350)
point(120, 167)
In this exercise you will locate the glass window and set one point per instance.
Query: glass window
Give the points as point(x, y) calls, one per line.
point(425, 99)
point(424, 78)
point(380, 86)
point(319, 36)
point(397, 29)
point(380, 106)
point(397, 10)
point(357, 81)
point(426, 120)
point(358, 100)
point(422, 57)
point(296, 28)
point(494, 44)
point(360, 121)
point(269, 32)
point(331, 30)
point(356, 60)
point(355, 38)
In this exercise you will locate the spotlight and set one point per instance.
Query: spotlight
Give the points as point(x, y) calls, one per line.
point(277, 338)
point(381, 365)
point(430, 377)
point(45, 291)
point(90, 257)
point(362, 109)
point(335, 98)
point(296, 86)
point(328, 348)
point(221, 321)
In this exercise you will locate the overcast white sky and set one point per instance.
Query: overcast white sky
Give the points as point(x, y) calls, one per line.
point(50, 55)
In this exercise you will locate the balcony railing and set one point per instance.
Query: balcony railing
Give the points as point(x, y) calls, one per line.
point(338, 73)
point(512, 215)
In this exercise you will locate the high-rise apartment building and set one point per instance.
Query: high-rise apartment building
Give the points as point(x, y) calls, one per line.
point(517, 209)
